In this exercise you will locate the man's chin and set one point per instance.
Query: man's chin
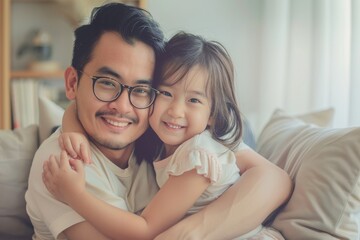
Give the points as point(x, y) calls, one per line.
point(110, 145)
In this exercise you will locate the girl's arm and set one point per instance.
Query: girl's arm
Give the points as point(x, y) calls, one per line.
point(168, 206)
point(261, 189)
point(70, 121)
point(73, 137)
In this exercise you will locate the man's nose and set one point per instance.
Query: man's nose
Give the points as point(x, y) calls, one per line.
point(122, 103)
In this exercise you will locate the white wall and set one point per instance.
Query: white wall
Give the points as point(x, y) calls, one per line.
point(234, 23)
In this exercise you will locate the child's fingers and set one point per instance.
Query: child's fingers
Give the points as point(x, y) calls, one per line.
point(46, 181)
point(68, 146)
point(48, 166)
point(77, 165)
point(52, 164)
point(61, 143)
point(85, 153)
point(46, 177)
point(64, 160)
point(76, 146)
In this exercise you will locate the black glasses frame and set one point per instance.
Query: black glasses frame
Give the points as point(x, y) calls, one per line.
point(122, 87)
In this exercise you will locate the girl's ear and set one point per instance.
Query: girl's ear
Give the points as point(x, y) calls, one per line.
point(71, 82)
point(210, 121)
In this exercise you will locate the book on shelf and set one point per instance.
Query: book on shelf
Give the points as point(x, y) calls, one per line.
point(25, 95)
point(24, 101)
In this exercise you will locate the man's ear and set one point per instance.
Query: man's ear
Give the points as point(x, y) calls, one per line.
point(71, 82)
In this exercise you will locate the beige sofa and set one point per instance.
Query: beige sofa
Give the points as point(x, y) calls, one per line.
point(17, 148)
point(323, 162)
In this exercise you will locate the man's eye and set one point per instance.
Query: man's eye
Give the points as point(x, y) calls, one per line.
point(141, 91)
point(108, 83)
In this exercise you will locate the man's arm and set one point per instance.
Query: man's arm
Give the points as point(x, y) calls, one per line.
point(261, 189)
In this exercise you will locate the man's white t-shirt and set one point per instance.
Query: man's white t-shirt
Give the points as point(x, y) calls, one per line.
point(130, 189)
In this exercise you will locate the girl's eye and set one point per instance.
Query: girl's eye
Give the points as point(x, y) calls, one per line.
point(194, 100)
point(165, 93)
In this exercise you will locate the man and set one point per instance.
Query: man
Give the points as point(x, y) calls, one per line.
point(118, 49)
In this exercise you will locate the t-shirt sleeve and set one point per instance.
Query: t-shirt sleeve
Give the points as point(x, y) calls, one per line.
point(46, 213)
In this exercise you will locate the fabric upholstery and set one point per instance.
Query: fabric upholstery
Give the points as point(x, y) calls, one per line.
point(324, 164)
point(17, 149)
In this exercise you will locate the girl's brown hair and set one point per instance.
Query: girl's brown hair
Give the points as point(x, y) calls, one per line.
point(184, 51)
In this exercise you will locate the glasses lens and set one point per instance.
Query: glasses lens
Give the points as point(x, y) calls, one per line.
point(142, 96)
point(107, 89)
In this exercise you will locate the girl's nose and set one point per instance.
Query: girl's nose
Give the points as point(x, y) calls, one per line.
point(176, 109)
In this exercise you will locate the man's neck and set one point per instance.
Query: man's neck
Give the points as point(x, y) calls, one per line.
point(119, 157)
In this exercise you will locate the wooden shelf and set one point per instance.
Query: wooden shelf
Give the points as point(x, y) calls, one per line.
point(37, 74)
point(6, 74)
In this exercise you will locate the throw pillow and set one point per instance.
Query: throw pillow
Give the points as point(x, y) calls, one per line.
point(324, 164)
point(50, 116)
point(17, 149)
point(323, 118)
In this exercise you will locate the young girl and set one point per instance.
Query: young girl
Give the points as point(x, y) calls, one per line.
point(196, 117)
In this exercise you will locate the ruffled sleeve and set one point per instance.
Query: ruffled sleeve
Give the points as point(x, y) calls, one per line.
point(205, 163)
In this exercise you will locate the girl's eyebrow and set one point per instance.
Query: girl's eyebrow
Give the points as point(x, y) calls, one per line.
point(200, 93)
point(194, 92)
point(113, 74)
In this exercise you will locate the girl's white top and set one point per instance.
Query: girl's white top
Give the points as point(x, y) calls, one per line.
point(210, 159)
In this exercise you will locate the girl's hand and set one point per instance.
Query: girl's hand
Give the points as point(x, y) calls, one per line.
point(64, 178)
point(76, 145)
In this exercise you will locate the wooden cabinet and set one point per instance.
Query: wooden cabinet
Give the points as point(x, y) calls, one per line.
point(6, 72)
point(5, 111)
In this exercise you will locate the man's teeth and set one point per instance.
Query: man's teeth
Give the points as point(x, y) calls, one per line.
point(174, 126)
point(117, 124)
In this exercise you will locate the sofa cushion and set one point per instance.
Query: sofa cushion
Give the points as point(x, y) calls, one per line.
point(247, 134)
point(17, 149)
point(324, 164)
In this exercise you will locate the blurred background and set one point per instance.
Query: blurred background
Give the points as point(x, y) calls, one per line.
point(297, 55)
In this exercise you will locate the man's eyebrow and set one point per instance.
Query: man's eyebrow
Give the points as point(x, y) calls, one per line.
point(108, 71)
point(144, 82)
